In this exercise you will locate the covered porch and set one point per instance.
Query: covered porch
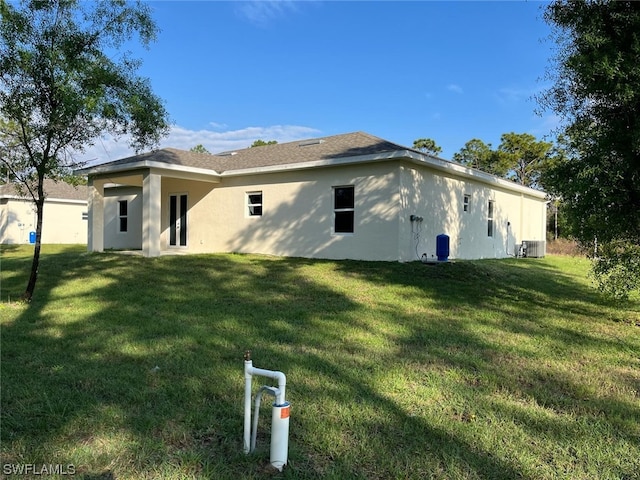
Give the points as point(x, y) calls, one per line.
point(150, 217)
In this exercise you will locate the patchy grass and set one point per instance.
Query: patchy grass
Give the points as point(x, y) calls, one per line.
point(564, 246)
point(131, 368)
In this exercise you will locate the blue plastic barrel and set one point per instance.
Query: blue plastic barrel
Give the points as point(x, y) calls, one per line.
point(32, 237)
point(442, 247)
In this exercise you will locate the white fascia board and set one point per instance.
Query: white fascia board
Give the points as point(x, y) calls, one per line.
point(472, 173)
point(173, 170)
point(331, 162)
point(417, 158)
point(66, 200)
point(47, 199)
point(413, 156)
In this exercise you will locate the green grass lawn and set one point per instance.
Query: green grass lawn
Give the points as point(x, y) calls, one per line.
point(132, 368)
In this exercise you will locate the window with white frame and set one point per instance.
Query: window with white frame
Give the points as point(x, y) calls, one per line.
point(466, 203)
point(490, 208)
point(123, 215)
point(254, 204)
point(343, 209)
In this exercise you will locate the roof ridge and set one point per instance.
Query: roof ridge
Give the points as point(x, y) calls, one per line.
point(307, 139)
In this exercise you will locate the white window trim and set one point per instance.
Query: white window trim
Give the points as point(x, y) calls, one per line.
point(491, 214)
point(249, 204)
point(336, 210)
point(120, 217)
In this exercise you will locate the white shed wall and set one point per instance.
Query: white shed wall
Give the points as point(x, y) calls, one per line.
point(63, 221)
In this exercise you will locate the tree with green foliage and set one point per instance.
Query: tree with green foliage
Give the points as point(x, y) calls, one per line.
point(596, 90)
point(558, 225)
point(262, 143)
point(477, 154)
point(519, 157)
point(524, 157)
point(427, 145)
point(8, 131)
point(199, 149)
point(63, 83)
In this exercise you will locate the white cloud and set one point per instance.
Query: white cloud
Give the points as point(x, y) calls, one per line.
point(233, 139)
point(218, 126)
point(513, 95)
point(108, 148)
point(452, 87)
point(263, 12)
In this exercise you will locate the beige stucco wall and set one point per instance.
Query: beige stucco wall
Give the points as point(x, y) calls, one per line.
point(297, 217)
point(298, 214)
point(62, 221)
point(439, 199)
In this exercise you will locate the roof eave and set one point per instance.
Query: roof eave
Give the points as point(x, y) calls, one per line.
point(329, 162)
point(66, 200)
point(179, 170)
point(47, 199)
point(472, 173)
point(411, 155)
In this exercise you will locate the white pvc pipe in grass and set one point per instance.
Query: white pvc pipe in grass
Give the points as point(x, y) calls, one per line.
point(256, 413)
point(279, 452)
point(279, 416)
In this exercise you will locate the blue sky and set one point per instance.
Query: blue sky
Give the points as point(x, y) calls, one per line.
point(233, 72)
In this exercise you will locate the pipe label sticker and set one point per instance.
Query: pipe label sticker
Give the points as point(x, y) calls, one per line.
point(284, 412)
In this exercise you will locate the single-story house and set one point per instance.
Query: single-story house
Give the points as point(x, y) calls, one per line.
point(351, 196)
point(65, 214)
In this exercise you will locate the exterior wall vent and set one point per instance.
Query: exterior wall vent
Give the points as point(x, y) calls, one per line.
point(316, 141)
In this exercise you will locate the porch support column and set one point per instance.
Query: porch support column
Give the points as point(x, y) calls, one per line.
point(151, 203)
point(95, 233)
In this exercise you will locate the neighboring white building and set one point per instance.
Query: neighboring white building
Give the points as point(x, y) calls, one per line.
point(65, 214)
point(352, 196)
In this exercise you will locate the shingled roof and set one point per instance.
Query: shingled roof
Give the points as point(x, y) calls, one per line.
point(301, 151)
point(52, 189)
point(337, 146)
point(317, 152)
